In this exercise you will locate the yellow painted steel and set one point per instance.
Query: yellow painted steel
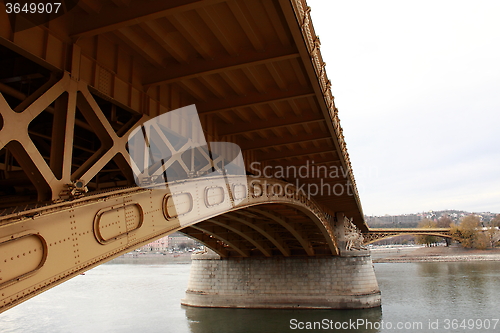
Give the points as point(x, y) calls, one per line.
point(45, 246)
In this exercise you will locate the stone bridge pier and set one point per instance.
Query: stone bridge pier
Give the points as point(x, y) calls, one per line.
point(343, 281)
point(337, 282)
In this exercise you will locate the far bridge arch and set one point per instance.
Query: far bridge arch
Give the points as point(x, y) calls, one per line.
point(376, 234)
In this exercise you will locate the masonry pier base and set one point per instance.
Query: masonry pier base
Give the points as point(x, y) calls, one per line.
point(341, 282)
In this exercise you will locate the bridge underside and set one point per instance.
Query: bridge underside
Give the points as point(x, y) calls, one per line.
point(76, 86)
point(74, 89)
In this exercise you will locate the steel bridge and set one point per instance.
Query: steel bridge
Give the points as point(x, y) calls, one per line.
point(376, 234)
point(75, 87)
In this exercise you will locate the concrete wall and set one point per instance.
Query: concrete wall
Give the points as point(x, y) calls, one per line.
point(345, 282)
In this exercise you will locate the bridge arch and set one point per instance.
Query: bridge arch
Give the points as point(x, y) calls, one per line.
point(267, 229)
point(260, 223)
point(374, 236)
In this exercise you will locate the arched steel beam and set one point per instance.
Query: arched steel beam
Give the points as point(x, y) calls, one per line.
point(378, 237)
point(275, 239)
point(102, 221)
point(266, 251)
point(216, 233)
point(206, 240)
point(306, 244)
point(327, 234)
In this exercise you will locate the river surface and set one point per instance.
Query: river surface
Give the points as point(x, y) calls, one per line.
point(416, 297)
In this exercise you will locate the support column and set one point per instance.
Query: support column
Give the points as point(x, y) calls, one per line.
point(346, 282)
point(339, 230)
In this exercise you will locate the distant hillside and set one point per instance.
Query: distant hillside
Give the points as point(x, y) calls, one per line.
point(412, 220)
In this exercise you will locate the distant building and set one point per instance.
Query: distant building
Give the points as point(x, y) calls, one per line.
point(179, 241)
point(174, 241)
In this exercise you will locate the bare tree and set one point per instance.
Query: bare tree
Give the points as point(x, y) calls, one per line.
point(495, 222)
point(493, 232)
point(426, 239)
point(444, 222)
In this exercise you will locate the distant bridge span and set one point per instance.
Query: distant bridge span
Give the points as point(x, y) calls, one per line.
point(376, 234)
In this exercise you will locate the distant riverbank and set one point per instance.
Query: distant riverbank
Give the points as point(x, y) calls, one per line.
point(433, 254)
point(153, 258)
point(379, 255)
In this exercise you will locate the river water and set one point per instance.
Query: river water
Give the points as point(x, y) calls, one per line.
point(416, 297)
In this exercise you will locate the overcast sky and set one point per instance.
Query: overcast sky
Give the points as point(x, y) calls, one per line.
point(417, 85)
